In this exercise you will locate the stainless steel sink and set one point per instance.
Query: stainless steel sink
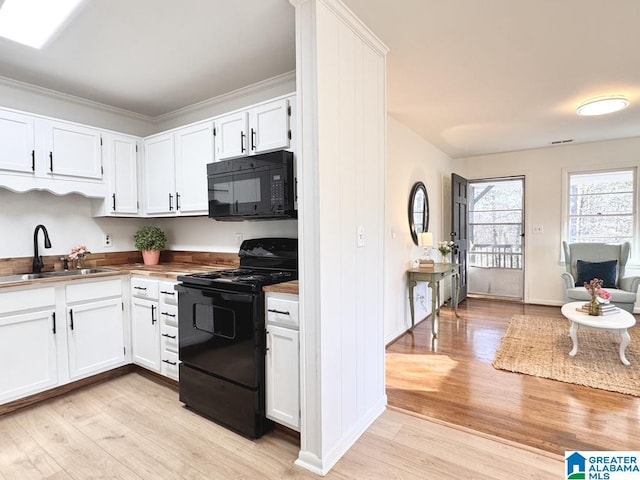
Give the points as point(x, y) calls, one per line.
point(62, 273)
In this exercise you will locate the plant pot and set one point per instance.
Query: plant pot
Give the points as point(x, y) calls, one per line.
point(151, 257)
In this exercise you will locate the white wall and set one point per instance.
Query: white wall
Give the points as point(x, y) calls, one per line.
point(542, 169)
point(410, 159)
point(208, 235)
point(67, 219)
point(69, 223)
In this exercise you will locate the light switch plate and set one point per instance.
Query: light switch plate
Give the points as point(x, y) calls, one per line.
point(360, 236)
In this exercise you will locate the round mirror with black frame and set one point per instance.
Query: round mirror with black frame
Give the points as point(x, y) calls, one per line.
point(418, 211)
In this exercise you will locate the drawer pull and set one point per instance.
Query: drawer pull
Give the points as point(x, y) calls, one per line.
point(278, 311)
point(173, 315)
point(140, 288)
point(169, 362)
point(168, 336)
point(167, 293)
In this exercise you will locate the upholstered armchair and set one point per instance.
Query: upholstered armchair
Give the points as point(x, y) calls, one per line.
point(607, 261)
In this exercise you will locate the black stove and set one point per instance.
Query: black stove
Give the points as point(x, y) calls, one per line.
point(263, 262)
point(222, 337)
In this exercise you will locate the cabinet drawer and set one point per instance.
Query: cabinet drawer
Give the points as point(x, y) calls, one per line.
point(144, 288)
point(28, 299)
point(168, 315)
point(169, 338)
point(282, 311)
point(169, 366)
point(168, 293)
point(81, 292)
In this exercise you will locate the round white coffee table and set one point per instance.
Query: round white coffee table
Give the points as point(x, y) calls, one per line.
point(616, 323)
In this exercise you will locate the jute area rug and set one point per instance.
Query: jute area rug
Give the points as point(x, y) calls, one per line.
point(540, 346)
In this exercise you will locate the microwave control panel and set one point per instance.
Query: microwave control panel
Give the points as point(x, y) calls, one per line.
point(277, 192)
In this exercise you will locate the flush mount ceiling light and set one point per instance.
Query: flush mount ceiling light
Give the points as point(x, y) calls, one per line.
point(602, 105)
point(33, 22)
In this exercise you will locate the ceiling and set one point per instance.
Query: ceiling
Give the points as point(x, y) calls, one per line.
point(470, 77)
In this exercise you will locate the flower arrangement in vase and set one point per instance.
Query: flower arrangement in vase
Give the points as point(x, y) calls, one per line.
point(445, 249)
point(77, 255)
point(598, 295)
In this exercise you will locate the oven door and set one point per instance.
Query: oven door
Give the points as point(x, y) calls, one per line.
point(222, 333)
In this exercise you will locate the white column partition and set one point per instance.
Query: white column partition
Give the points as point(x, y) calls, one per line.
point(341, 175)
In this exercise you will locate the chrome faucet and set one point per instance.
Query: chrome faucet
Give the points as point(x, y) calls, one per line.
point(37, 259)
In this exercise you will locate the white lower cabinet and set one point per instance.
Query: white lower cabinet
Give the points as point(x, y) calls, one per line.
point(28, 354)
point(283, 360)
point(154, 324)
point(145, 333)
point(54, 335)
point(95, 337)
point(95, 327)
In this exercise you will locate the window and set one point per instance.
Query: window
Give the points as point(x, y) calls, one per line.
point(601, 206)
point(496, 223)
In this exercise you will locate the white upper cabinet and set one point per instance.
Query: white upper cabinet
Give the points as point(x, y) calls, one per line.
point(121, 176)
point(17, 144)
point(40, 153)
point(257, 129)
point(231, 135)
point(269, 126)
point(175, 170)
point(159, 174)
point(72, 150)
point(193, 150)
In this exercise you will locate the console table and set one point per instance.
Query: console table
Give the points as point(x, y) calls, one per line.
point(433, 275)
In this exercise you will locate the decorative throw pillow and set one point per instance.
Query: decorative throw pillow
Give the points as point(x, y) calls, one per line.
point(605, 271)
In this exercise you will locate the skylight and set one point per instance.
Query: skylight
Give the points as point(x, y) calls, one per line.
point(34, 22)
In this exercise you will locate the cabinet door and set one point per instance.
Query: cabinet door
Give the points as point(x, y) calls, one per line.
point(159, 174)
point(269, 127)
point(73, 150)
point(231, 136)
point(17, 148)
point(145, 333)
point(194, 149)
point(95, 337)
point(28, 354)
point(283, 376)
point(122, 158)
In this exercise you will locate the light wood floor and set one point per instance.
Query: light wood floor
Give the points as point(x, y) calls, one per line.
point(464, 389)
point(134, 428)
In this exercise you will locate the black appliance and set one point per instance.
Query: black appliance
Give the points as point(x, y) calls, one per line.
point(257, 187)
point(222, 334)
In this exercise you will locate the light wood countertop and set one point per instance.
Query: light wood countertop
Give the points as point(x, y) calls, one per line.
point(286, 287)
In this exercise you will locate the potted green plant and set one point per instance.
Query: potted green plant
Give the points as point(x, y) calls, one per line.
point(150, 240)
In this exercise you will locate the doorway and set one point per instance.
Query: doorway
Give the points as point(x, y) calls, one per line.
point(496, 238)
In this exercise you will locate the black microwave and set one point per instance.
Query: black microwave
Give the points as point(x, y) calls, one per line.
point(257, 187)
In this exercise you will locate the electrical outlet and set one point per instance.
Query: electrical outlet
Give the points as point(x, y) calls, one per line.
point(107, 241)
point(538, 228)
point(238, 238)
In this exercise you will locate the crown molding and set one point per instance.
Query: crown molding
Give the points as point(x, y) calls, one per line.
point(226, 97)
point(54, 94)
point(233, 95)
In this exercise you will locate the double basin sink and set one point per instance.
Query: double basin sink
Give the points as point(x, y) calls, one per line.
point(62, 273)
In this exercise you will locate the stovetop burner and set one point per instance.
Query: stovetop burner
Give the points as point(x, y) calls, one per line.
point(262, 262)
